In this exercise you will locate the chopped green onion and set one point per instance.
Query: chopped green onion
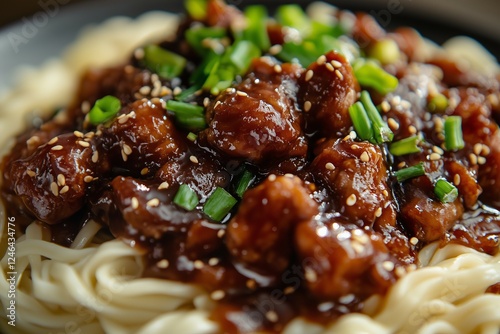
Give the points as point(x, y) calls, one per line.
point(186, 198)
point(294, 16)
point(192, 137)
point(386, 51)
point(241, 54)
point(256, 30)
point(165, 63)
point(245, 182)
point(197, 9)
point(197, 35)
point(361, 121)
point(104, 109)
point(381, 131)
point(304, 53)
point(453, 137)
point(410, 172)
point(445, 191)
point(370, 74)
point(405, 146)
point(189, 116)
point(187, 93)
point(219, 204)
point(438, 103)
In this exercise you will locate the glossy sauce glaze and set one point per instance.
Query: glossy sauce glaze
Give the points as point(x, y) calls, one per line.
point(324, 224)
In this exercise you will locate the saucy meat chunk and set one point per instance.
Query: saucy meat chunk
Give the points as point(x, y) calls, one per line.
point(258, 119)
point(327, 89)
point(260, 233)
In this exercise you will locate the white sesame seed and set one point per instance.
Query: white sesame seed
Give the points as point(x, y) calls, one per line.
point(378, 212)
point(478, 148)
point(127, 149)
point(413, 241)
point(456, 179)
point(329, 67)
point(95, 157)
point(145, 90)
point(272, 177)
point(277, 68)
point(165, 91)
point(57, 148)
point(272, 316)
point(388, 265)
point(30, 173)
point(339, 75)
point(358, 248)
point(241, 93)
point(486, 150)
point(213, 261)
point(288, 290)
point(54, 189)
point(198, 264)
point(336, 63)
point(351, 200)
point(275, 49)
point(163, 264)
point(311, 275)
point(153, 202)
point(78, 134)
point(321, 60)
point(144, 171)
point(221, 233)
point(434, 156)
point(400, 271)
point(354, 147)
point(385, 192)
point(177, 90)
point(123, 120)
point(473, 159)
point(365, 157)
point(385, 106)
point(163, 185)
point(307, 106)
point(217, 295)
point(88, 179)
point(134, 202)
point(481, 160)
point(206, 102)
point(139, 53)
point(53, 141)
point(412, 129)
point(353, 135)
point(402, 164)
point(330, 166)
point(33, 141)
point(393, 124)
point(309, 75)
point(124, 155)
point(83, 143)
point(194, 159)
point(438, 150)
point(64, 190)
point(61, 180)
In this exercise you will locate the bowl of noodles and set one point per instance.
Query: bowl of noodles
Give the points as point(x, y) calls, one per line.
point(241, 168)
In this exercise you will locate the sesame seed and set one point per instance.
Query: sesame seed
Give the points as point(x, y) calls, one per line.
point(402, 164)
point(123, 120)
point(351, 200)
point(83, 143)
point(339, 74)
point(353, 135)
point(33, 141)
point(358, 248)
point(330, 166)
point(438, 150)
point(412, 129)
point(288, 290)
point(163, 185)
point(388, 265)
point(217, 295)
point(413, 241)
point(486, 150)
point(405, 104)
point(139, 53)
point(289, 175)
point(385, 106)
point(272, 177)
point(78, 134)
point(57, 148)
point(321, 60)
point(153, 202)
point(378, 212)
point(194, 159)
point(127, 149)
point(221, 233)
point(478, 148)
point(365, 157)
point(177, 90)
point(124, 156)
point(213, 261)
point(434, 156)
point(206, 102)
point(354, 147)
point(53, 141)
point(456, 179)
point(329, 67)
point(54, 188)
point(400, 271)
point(277, 68)
point(64, 190)
point(144, 171)
point(198, 264)
point(145, 90)
point(241, 93)
point(88, 179)
point(166, 91)
point(336, 63)
point(272, 316)
point(481, 160)
point(275, 49)
point(311, 275)
point(307, 106)
point(163, 264)
point(95, 157)
point(30, 173)
point(85, 106)
point(134, 202)
point(385, 192)
point(393, 124)
point(61, 180)
point(309, 75)
point(251, 284)
point(473, 159)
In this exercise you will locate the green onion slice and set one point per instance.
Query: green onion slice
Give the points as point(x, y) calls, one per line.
point(256, 30)
point(361, 121)
point(186, 198)
point(385, 51)
point(453, 137)
point(166, 64)
point(438, 104)
point(104, 109)
point(370, 74)
point(189, 116)
point(197, 9)
point(219, 204)
point(445, 191)
point(410, 172)
point(294, 16)
point(245, 181)
point(197, 35)
point(405, 146)
point(381, 131)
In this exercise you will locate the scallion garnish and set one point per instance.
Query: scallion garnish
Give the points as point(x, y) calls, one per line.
point(245, 182)
point(405, 146)
point(219, 204)
point(361, 121)
point(453, 137)
point(197, 9)
point(445, 191)
point(294, 16)
point(386, 51)
point(438, 103)
point(256, 30)
point(410, 172)
point(197, 36)
point(104, 109)
point(186, 198)
point(165, 63)
point(370, 74)
point(381, 131)
point(189, 116)
point(192, 136)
